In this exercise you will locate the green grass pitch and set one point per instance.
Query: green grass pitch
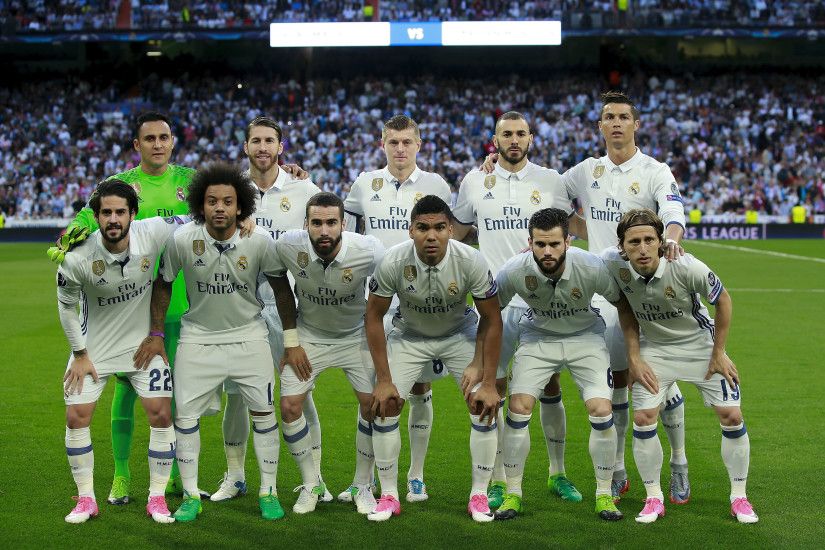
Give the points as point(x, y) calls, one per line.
point(777, 341)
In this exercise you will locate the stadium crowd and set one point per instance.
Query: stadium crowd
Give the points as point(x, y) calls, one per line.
point(86, 15)
point(743, 142)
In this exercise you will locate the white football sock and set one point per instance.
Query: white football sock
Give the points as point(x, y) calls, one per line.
point(554, 427)
point(267, 443)
point(235, 435)
point(81, 460)
point(647, 451)
point(483, 439)
point(516, 433)
point(386, 443)
point(419, 427)
point(161, 458)
point(187, 451)
point(602, 451)
point(736, 452)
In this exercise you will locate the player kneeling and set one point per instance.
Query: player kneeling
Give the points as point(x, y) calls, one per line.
point(432, 276)
point(559, 330)
point(681, 343)
point(112, 273)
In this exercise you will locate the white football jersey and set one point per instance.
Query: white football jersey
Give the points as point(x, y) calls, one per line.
point(501, 203)
point(281, 208)
point(114, 293)
point(385, 204)
point(221, 280)
point(433, 300)
point(671, 316)
point(562, 308)
point(606, 191)
point(331, 302)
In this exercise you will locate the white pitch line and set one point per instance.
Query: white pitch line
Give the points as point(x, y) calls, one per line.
point(805, 290)
point(757, 251)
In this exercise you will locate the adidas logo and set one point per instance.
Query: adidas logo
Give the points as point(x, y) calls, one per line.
point(488, 196)
point(375, 198)
point(411, 289)
point(303, 274)
point(199, 263)
point(595, 185)
point(101, 282)
point(532, 295)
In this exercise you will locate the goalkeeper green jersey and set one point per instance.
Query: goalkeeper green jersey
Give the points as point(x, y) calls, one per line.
point(163, 195)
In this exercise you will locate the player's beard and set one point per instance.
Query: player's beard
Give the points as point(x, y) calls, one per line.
point(262, 166)
point(509, 156)
point(124, 231)
point(556, 266)
point(327, 244)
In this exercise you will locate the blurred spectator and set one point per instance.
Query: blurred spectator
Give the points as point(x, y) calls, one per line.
point(735, 142)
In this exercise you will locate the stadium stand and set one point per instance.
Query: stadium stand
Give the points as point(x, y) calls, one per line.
point(737, 141)
point(97, 15)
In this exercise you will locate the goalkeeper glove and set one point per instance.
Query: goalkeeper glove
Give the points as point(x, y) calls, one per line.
point(69, 240)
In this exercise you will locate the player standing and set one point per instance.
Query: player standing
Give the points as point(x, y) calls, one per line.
point(681, 342)
point(500, 205)
point(432, 276)
point(380, 202)
point(279, 207)
point(330, 269)
point(110, 275)
point(223, 336)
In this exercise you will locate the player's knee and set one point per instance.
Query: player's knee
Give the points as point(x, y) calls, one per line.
point(521, 403)
point(599, 407)
point(292, 407)
point(619, 379)
point(645, 417)
point(78, 417)
point(420, 388)
point(553, 387)
point(729, 416)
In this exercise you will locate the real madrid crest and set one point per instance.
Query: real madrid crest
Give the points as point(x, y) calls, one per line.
point(598, 171)
point(490, 181)
point(624, 275)
point(410, 273)
point(198, 247)
point(531, 282)
point(242, 263)
point(576, 293)
point(634, 188)
point(303, 259)
point(285, 206)
point(453, 288)
point(346, 276)
point(417, 197)
point(98, 267)
point(144, 264)
point(669, 293)
point(136, 187)
point(377, 184)
point(180, 194)
point(535, 197)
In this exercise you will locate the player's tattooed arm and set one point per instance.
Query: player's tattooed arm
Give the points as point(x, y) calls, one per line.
point(294, 354)
point(639, 370)
point(385, 398)
point(152, 345)
point(719, 361)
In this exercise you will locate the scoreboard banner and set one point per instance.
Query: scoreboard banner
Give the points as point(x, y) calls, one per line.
point(413, 33)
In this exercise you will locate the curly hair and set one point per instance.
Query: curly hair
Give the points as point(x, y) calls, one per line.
point(220, 173)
